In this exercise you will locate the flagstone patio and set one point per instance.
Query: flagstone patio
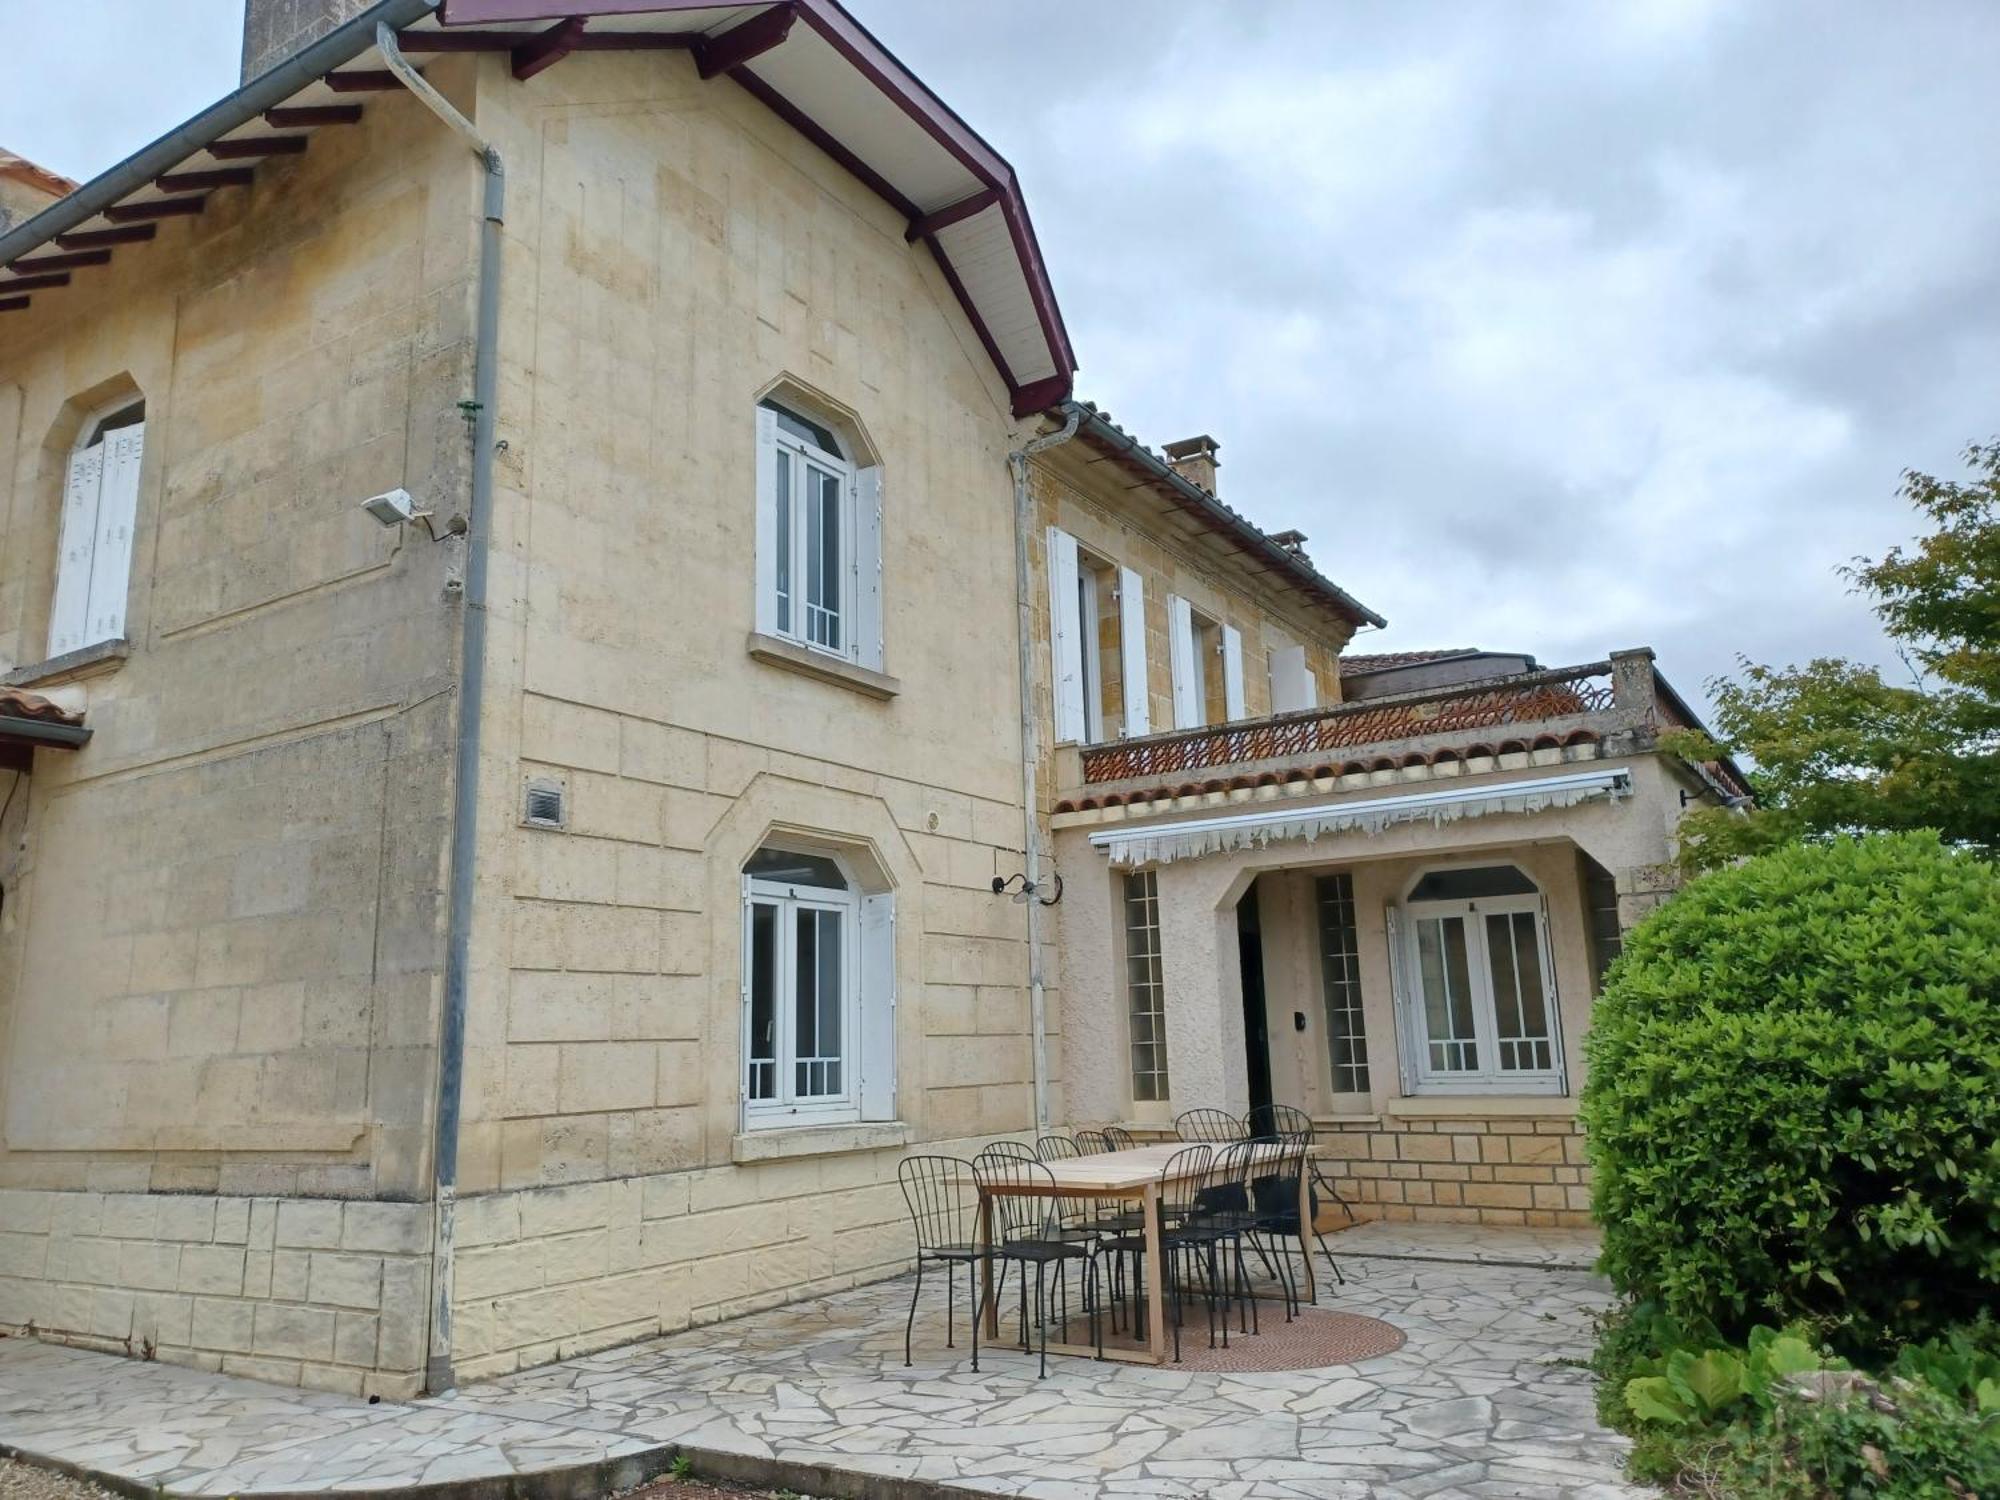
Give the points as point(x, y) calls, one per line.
point(1481, 1400)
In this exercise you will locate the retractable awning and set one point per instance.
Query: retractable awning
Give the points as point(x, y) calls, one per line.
point(1162, 843)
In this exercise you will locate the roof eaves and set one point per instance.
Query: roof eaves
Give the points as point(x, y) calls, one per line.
point(263, 92)
point(1102, 430)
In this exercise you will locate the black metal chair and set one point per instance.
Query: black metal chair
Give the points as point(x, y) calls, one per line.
point(1119, 1138)
point(1092, 1142)
point(1181, 1182)
point(1057, 1148)
point(1022, 1194)
point(1275, 1195)
point(1215, 1126)
point(941, 1196)
point(1221, 1217)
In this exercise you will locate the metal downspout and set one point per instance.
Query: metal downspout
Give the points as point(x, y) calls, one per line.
point(1031, 754)
point(471, 696)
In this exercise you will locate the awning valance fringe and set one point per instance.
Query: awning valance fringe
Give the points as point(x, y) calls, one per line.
point(1165, 843)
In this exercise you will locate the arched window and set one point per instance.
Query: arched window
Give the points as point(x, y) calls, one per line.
point(100, 505)
point(1477, 983)
point(819, 556)
point(818, 992)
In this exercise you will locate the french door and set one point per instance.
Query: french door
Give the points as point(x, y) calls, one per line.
point(1481, 1014)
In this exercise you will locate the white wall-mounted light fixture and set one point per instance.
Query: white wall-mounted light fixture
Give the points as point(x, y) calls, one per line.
point(394, 508)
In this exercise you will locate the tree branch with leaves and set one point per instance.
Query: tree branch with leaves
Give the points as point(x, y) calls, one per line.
point(1838, 749)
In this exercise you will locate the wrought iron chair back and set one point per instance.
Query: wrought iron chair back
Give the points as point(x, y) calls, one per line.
point(1211, 1125)
point(943, 1201)
point(1119, 1138)
point(1092, 1142)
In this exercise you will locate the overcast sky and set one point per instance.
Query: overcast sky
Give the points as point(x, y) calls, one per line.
point(1554, 327)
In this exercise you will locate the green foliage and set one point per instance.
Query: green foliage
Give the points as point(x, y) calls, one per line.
point(1908, 1442)
point(1723, 1420)
point(1793, 1104)
point(682, 1468)
point(1838, 749)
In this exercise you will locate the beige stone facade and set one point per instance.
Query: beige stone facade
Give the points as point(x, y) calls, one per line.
point(224, 931)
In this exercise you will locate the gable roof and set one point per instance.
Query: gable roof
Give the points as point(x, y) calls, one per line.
point(808, 61)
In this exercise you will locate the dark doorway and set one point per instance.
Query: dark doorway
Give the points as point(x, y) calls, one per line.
point(1256, 1025)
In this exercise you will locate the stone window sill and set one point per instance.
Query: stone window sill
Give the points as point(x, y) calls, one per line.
point(774, 652)
point(71, 666)
point(783, 1144)
point(1476, 1106)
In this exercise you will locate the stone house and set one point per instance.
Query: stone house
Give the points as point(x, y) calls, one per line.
point(552, 588)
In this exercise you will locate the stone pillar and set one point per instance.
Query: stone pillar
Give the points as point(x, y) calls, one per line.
point(1204, 980)
point(274, 29)
point(1641, 888)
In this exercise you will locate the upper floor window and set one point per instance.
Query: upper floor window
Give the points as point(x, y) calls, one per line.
point(100, 504)
point(818, 993)
point(819, 528)
point(1479, 1001)
point(1097, 644)
point(1208, 667)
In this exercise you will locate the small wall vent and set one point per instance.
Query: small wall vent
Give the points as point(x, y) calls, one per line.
point(544, 806)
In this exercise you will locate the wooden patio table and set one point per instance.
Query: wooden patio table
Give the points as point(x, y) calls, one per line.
point(1135, 1176)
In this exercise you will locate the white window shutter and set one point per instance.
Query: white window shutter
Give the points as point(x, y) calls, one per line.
point(767, 521)
point(1132, 652)
point(1409, 1037)
point(117, 511)
point(1065, 637)
point(70, 616)
point(1233, 705)
point(1187, 669)
point(868, 627)
point(1551, 1001)
point(1292, 684)
point(878, 1007)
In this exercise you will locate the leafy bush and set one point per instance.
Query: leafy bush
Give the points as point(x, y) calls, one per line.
point(1755, 1421)
point(1793, 1106)
point(1906, 1441)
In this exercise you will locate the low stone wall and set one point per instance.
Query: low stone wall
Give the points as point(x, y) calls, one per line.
point(316, 1292)
point(1514, 1170)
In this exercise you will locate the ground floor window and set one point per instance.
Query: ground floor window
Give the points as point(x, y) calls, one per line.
point(1145, 986)
point(818, 993)
point(1340, 981)
point(1478, 999)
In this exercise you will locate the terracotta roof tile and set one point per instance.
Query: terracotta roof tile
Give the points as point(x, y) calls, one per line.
point(1356, 664)
point(16, 704)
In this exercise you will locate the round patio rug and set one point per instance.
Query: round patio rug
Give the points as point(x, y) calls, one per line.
point(1314, 1339)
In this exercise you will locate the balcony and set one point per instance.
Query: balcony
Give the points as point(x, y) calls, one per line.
point(1612, 707)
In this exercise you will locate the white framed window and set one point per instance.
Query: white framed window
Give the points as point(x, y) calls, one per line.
point(1476, 985)
point(1145, 987)
point(1207, 658)
point(818, 993)
point(819, 556)
point(1100, 687)
point(100, 506)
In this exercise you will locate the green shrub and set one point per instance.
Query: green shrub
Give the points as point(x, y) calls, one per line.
point(1904, 1442)
point(1793, 1106)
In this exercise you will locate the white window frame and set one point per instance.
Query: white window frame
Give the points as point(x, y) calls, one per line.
point(94, 548)
point(786, 1107)
point(785, 462)
point(1419, 1077)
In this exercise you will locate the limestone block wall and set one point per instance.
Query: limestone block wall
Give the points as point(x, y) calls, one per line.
point(547, 1273)
point(222, 931)
point(298, 1291)
point(675, 251)
point(1503, 1170)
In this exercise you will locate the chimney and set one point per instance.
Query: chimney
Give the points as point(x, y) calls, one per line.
point(274, 29)
point(1293, 542)
point(1195, 461)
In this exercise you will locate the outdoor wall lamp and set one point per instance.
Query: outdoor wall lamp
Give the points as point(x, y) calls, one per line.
point(1023, 888)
